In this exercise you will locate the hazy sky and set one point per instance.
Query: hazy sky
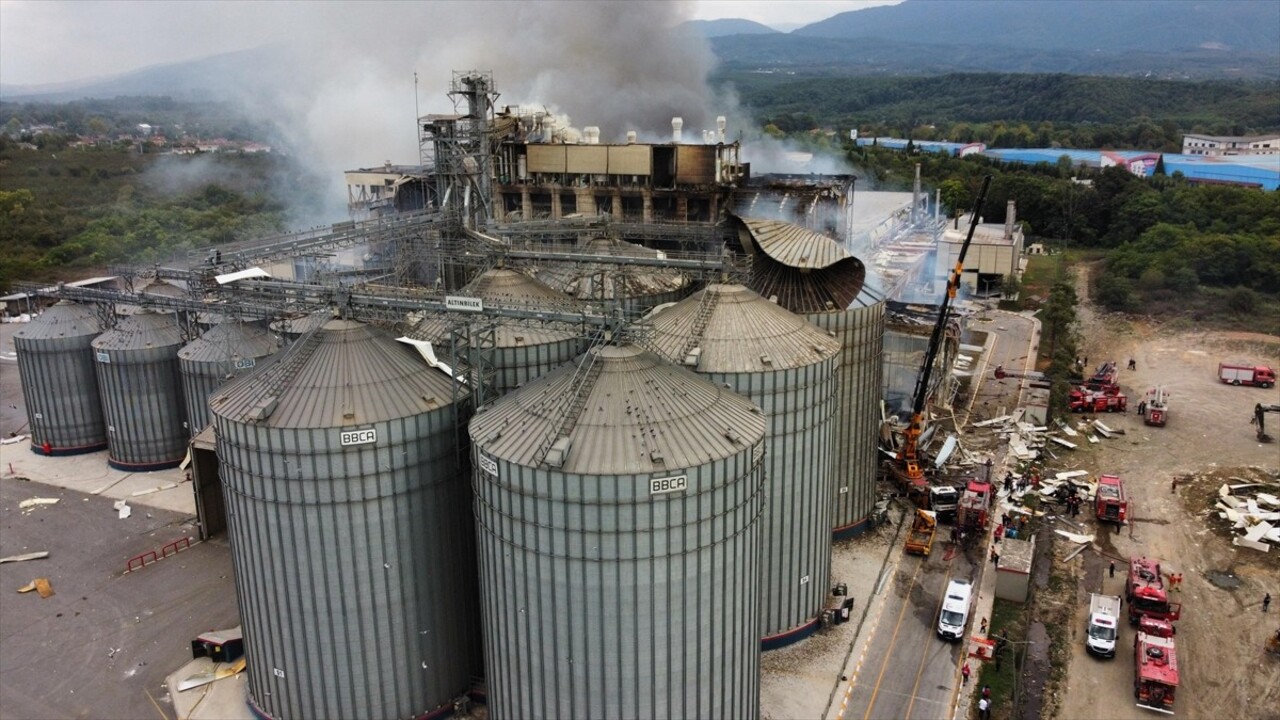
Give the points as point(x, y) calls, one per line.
point(50, 41)
point(339, 88)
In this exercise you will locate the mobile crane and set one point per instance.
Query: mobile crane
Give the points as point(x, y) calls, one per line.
point(906, 464)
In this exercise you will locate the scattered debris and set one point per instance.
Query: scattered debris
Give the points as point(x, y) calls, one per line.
point(1255, 518)
point(1073, 537)
point(33, 503)
point(217, 672)
point(123, 508)
point(25, 556)
point(40, 585)
point(148, 491)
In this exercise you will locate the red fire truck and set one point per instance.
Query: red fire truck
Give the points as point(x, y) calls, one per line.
point(975, 506)
point(1109, 502)
point(1091, 401)
point(1155, 666)
point(1145, 592)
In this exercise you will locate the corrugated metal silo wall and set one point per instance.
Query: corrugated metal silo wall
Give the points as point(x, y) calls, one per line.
point(355, 567)
point(142, 403)
point(604, 601)
point(860, 387)
point(800, 404)
point(517, 365)
point(200, 380)
point(60, 389)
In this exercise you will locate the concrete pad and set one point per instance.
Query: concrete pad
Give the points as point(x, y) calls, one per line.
point(225, 699)
point(90, 474)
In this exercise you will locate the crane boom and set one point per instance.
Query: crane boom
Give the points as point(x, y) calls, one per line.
point(908, 460)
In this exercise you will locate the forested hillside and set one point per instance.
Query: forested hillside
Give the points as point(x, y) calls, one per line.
point(1012, 110)
point(64, 212)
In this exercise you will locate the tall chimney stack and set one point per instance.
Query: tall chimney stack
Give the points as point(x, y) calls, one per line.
point(721, 123)
point(1010, 217)
point(676, 125)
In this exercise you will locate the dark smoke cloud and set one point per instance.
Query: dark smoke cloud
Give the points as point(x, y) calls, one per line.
point(341, 92)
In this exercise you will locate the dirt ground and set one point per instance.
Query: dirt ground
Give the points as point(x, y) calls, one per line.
point(1224, 671)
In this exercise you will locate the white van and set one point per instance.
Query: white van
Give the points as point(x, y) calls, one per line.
point(955, 610)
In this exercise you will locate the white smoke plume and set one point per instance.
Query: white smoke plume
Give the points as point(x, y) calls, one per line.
point(342, 92)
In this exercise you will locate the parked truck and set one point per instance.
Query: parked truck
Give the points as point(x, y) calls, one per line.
point(1146, 594)
point(1092, 401)
point(974, 511)
point(1104, 619)
point(1155, 410)
point(943, 500)
point(1239, 374)
point(920, 536)
point(1110, 503)
point(1155, 667)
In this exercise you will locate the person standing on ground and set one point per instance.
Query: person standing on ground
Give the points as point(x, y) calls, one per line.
point(984, 709)
point(1266, 602)
point(1112, 569)
point(964, 674)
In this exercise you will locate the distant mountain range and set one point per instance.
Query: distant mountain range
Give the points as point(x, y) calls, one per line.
point(1221, 39)
point(217, 77)
point(727, 26)
point(1172, 39)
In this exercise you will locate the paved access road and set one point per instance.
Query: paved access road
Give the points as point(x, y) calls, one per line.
point(907, 671)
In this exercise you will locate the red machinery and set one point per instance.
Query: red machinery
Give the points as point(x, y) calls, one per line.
point(975, 506)
point(1156, 411)
point(1155, 667)
point(1105, 378)
point(1091, 401)
point(1145, 592)
point(1109, 502)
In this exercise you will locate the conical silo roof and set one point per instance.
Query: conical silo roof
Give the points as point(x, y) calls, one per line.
point(346, 373)
point(599, 281)
point(299, 325)
point(737, 331)
point(63, 319)
point(806, 271)
point(160, 288)
point(507, 288)
point(143, 329)
point(639, 414)
point(230, 340)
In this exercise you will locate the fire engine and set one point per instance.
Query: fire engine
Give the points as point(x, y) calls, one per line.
point(1097, 401)
point(1156, 411)
point(1110, 503)
point(1155, 666)
point(1145, 592)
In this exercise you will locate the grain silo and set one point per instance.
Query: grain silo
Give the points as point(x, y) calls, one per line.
point(617, 504)
point(638, 287)
point(141, 389)
point(55, 362)
point(295, 326)
point(227, 350)
point(350, 524)
point(521, 351)
point(787, 367)
point(811, 275)
point(162, 288)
